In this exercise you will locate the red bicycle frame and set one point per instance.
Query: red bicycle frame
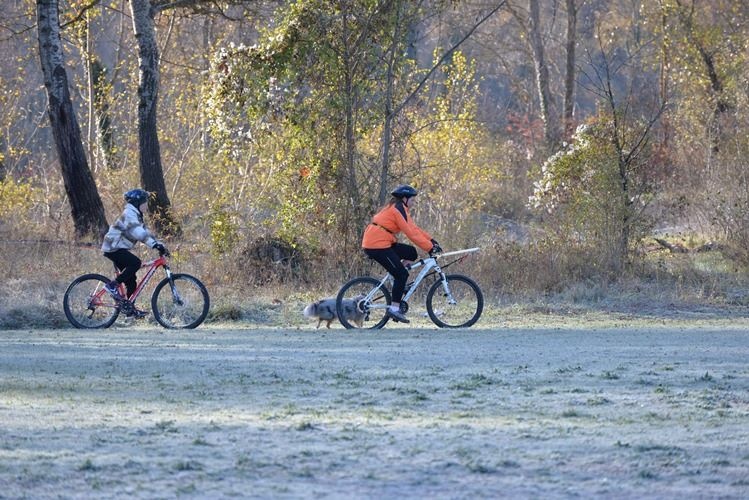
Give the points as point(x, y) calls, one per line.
point(153, 265)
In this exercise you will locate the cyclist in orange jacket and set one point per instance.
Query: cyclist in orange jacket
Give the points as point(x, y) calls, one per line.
point(380, 243)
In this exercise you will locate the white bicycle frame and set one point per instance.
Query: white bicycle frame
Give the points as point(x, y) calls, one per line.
point(430, 264)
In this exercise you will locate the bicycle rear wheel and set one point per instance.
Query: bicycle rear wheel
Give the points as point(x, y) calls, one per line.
point(88, 305)
point(184, 306)
point(356, 311)
point(458, 306)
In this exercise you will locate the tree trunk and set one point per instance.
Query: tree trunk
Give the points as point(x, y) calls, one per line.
point(205, 136)
point(626, 224)
point(717, 97)
point(86, 206)
point(720, 105)
point(105, 136)
point(151, 171)
point(569, 79)
point(87, 56)
point(3, 168)
point(542, 74)
point(664, 78)
point(387, 134)
point(349, 132)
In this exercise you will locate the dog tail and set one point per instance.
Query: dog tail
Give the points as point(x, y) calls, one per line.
point(311, 310)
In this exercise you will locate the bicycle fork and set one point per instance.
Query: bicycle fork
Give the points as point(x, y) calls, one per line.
point(175, 294)
point(446, 287)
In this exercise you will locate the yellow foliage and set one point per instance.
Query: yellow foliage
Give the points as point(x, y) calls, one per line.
point(15, 196)
point(453, 149)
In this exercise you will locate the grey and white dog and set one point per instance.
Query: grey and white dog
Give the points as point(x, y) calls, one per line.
point(324, 310)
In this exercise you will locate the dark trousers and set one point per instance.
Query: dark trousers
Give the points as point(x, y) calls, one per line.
point(128, 264)
point(390, 259)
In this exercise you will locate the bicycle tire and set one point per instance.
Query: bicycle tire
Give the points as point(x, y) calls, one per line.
point(186, 315)
point(88, 305)
point(354, 313)
point(467, 311)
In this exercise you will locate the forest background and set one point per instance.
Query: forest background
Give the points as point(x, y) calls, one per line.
point(593, 149)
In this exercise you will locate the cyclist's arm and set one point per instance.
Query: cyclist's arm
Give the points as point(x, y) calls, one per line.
point(414, 233)
point(137, 231)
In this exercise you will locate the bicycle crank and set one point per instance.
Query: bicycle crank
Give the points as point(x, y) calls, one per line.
point(127, 307)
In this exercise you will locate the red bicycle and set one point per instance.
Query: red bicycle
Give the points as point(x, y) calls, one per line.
point(178, 301)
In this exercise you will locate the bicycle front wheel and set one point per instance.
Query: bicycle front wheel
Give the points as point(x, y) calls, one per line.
point(363, 303)
point(88, 305)
point(456, 302)
point(183, 305)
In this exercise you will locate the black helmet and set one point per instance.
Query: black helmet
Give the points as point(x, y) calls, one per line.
point(136, 197)
point(404, 191)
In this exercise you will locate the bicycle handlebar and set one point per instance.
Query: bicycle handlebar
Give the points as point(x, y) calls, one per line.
point(436, 256)
point(456, 252)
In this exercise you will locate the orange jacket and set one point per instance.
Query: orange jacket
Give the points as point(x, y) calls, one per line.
point(388, 222)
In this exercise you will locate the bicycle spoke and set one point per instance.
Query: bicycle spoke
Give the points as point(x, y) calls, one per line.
point(360, 304)
point(88, 305)
point(180, 303)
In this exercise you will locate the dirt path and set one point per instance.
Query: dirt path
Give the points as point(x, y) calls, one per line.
point(656, 412)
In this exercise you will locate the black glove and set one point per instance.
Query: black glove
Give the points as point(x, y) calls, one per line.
point(161, 248)
point(436, 248)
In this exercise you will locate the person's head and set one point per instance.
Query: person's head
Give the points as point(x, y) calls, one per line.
point(137, 198)
point(403, 193)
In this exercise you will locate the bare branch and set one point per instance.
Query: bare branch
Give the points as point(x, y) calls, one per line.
point(644, 138)
point(198, 6)
point(178, 4)
point(81, 13)
point(444, 57)
point(14, 33)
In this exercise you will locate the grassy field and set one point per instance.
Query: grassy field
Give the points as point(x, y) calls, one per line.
point(599, 408)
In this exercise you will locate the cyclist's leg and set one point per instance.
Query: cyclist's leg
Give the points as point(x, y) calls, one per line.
point(407, 253)
point(391, 261)
point(128, 264)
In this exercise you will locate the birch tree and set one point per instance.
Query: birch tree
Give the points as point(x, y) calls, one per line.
point(535, 39)
point(569, 77)
point(100, 105)
point(85, 204)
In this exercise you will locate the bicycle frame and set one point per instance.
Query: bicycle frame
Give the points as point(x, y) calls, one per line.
point(152, 266)
point(430, 266)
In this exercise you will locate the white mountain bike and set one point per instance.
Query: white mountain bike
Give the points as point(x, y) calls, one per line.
point(452, 301)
